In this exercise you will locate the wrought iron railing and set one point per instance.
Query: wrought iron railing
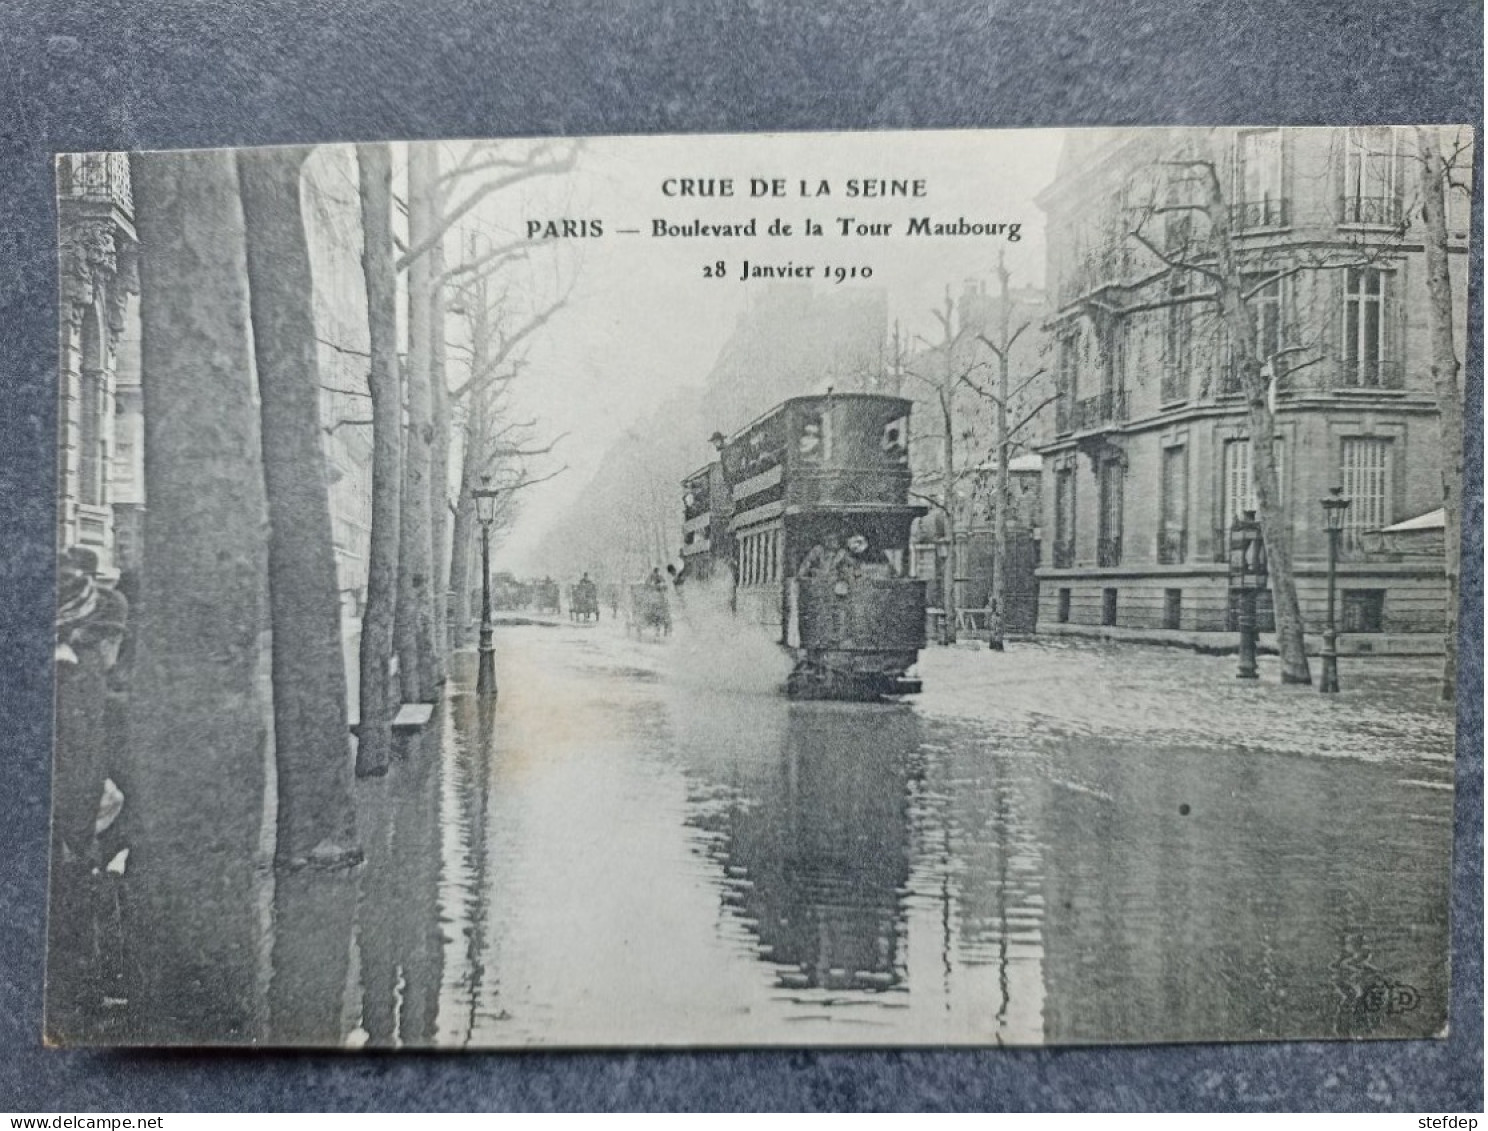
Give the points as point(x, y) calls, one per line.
point(1109, 267)
point(1103, 408)
point(1230, 383)
point(1064, 415)
point(1172, 547)
point(1174, 384)
point(1381, 210)
point(1270, 212)
point(102, 178)
point(1108, 551)
point(1361, 373)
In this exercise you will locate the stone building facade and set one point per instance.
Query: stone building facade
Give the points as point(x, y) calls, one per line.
point(1149, 465)
point(101, 468)
point(98, 285)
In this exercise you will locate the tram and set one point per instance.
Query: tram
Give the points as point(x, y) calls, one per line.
point(808, 512)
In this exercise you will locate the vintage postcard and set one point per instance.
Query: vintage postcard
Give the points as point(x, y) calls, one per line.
point(919, 588)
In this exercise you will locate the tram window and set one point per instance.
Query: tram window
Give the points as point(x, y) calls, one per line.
point(893, 442)
point(815, 443)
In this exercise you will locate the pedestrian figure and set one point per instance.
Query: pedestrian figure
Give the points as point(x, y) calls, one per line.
point(90, 626)
point(818, 559)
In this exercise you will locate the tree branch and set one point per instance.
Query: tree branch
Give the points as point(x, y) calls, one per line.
point(453, 215)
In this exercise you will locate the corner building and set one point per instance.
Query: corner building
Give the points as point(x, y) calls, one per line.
point(1150, 462)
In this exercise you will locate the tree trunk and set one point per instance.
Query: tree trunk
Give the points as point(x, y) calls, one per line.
point(415, 618)
point(440, 445)
point(948, 484)
point(999, 536)
point(375, 734)
point(1444, 376)
point(463, 534)
point(462, 538)
point(1274, 529)
point(199, 712)
point(312, 746)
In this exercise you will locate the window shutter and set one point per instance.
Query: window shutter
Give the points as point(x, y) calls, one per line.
point(1392, 332)
point(1336, 341)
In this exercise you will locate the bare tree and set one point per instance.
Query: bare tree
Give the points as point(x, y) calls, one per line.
point(435, 207)
point(496, 444)
point(951, 369)
point(1005, 436)
point(418, 668)
point(1435, 183)
point(378, 706)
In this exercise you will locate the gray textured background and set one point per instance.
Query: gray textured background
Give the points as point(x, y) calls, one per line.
point(116, 75)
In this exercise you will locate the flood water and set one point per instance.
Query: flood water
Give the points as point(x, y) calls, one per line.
point(640, 844)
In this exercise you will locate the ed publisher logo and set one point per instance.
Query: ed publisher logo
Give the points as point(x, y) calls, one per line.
point(1390, 997)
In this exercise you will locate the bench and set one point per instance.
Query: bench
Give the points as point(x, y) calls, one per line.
point(411, 717)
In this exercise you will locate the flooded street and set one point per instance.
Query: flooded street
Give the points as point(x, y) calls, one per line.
point(1043, 847)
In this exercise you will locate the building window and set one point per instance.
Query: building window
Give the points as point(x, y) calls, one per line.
point(1366, 484)
point(1238, 487)
point(1108, 549)
point(1062, 613)
point(1108, 607)
point(1172, 533)
point(1258, 180)
point(1172, 608)
point(1177, 341)
point(1266, 305)
point(90, 439)
point(1366, 325)
point(1371, 176)
point(1113, 374)
point(1064, 518)
point(1363, 610)
point(1066, 382)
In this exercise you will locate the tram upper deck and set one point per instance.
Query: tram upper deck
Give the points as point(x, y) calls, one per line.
point(839, 452)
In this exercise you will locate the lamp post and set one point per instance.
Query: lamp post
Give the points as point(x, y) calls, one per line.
point(1334, 508)
point(485, 513)
point(1248, 570)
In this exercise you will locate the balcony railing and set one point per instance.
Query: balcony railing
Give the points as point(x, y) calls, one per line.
point(1108, 551)
point(1064, 554)
point(1254, 215)
point(1174, 384)
point(1110, 267)
point(101, 178)
point(1103, 408)
point(1381, 210)
point(1172, 547)
point(1376, 374)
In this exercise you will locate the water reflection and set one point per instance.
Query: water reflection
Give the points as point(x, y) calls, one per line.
point(607, 857)
point(814, 848)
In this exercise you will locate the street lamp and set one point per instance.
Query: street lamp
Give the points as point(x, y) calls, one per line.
point(1334, 508)
point(1248, 570)
point(485, 513)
